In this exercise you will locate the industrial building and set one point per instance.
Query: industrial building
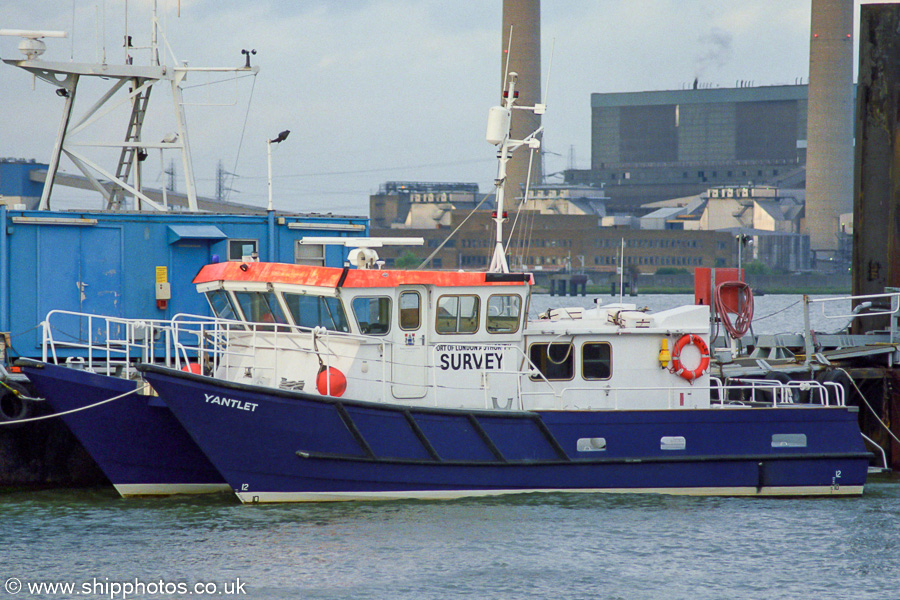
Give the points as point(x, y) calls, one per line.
point(768, 218)
point(651, 146)
point(554, 243)
point(405, 204)
point(560, 227)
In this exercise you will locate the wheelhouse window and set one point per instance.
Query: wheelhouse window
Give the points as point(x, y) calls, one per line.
point(373, 315)
point(556, 362)
point(311, 311)
point(410, 311)
point(261, 307)
point(503, 313)
point(457, 314)
point(241, 249)
point(596, 360)
point(221, 304)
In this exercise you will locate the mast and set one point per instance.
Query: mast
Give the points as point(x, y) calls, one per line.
point(137, 82)
point(498, 134)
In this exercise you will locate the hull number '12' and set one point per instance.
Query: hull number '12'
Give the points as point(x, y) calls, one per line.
point(230, 402)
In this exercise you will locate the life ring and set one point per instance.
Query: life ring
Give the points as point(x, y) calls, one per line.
point(678, 368)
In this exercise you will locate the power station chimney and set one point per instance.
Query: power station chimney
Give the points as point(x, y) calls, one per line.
point(829, 154)
point(524, 16)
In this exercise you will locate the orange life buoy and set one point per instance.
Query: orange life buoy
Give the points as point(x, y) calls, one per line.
point(678, 368)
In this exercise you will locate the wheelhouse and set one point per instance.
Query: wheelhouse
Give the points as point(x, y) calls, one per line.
point(470, 306)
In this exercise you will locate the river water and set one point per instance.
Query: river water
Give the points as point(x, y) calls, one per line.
point(557, 546)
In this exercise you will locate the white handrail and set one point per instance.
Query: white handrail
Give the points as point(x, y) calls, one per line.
point(217, 343)
point(895, 305)
point(123, 340)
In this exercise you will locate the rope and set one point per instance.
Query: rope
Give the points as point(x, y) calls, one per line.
point(553, 342)
point(778, 311)
point(447, 239)
point(521, 204)
point(744, 310)
point(20, 394)
point(241, 142)
point(217, 81)
point(69, 412)
point(869, 406)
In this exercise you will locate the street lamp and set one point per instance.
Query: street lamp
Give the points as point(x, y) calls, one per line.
point(742, 240)
point(278, 139)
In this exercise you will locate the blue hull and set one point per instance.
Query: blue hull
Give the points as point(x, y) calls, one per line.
point(273, 445)
point(136, 442)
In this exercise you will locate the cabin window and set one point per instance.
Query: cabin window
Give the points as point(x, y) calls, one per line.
point(221, 304)
point(309, 254)
point(373, 314)
point(242, 249)
point(275, 307)
point(410, 311)
point(260, 307)
point(317, 311)
point(554, 361)
point(596, 360)
point(503, 313)
point(457, 314)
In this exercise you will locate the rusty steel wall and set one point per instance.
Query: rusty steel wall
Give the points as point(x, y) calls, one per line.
point(876, 214)
point(524, 16)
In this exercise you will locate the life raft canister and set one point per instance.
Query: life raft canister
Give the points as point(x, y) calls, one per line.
point(678, 368)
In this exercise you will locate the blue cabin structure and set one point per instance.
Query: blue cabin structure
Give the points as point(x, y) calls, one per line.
point(109, 263)
point(16, 183)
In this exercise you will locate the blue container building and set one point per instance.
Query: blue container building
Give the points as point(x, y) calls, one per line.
point(109, 263)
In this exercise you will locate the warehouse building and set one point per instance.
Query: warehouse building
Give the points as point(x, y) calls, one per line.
point(651, 146)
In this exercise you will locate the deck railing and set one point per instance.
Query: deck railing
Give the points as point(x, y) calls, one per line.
point(861, 311)
point(114, 346)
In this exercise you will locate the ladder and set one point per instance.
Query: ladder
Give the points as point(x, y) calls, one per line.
point(127, 156)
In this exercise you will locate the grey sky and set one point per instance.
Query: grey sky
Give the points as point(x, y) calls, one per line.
point(393, 89)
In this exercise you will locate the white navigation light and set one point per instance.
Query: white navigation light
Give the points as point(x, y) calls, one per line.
point(31, 45)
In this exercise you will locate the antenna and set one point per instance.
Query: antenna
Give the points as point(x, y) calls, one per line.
point(549, 68)
point(154, 42)
point(508, 52)
point(127, 43)
point(103, 33)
